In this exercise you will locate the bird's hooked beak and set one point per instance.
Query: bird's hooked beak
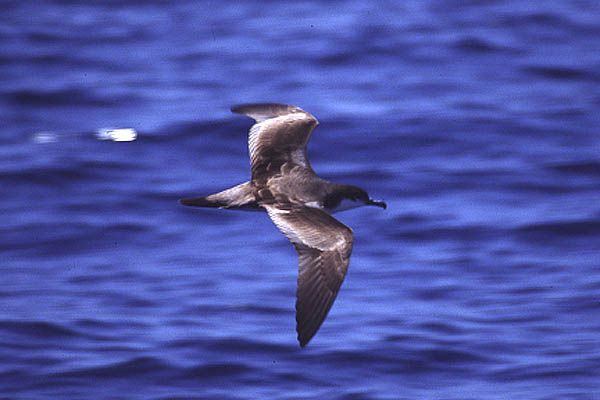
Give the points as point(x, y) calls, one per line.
point(376, 203)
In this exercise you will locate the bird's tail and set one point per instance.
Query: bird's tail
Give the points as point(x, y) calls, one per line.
point(240, 197)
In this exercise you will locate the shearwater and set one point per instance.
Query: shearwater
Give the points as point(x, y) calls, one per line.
point(284, 185)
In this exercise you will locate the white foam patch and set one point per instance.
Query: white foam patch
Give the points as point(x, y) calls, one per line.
point(117, 134)
point(44, 137)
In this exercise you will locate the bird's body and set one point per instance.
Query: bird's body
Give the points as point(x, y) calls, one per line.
point(284, 185)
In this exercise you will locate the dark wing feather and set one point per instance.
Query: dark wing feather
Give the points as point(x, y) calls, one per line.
point(324, 245)
point(279, 136)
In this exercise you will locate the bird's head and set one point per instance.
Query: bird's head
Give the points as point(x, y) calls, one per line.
point(346, 197)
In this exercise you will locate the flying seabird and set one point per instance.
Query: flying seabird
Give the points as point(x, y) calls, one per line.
point(284, 185)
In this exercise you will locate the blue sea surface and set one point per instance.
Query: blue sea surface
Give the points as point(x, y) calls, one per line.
point(478, 122)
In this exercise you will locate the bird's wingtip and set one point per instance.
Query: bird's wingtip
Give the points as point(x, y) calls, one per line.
point(303, 341)
point(243, 108)
point(263, 111)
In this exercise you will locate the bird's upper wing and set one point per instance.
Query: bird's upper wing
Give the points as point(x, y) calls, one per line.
point(324, 245)
point(279, 136)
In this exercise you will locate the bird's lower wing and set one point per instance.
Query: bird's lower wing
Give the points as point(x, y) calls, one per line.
point(324, 245)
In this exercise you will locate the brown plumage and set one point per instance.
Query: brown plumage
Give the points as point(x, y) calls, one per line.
point(299, 202)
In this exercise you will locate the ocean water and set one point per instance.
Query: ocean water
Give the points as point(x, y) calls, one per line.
point(478, 122)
